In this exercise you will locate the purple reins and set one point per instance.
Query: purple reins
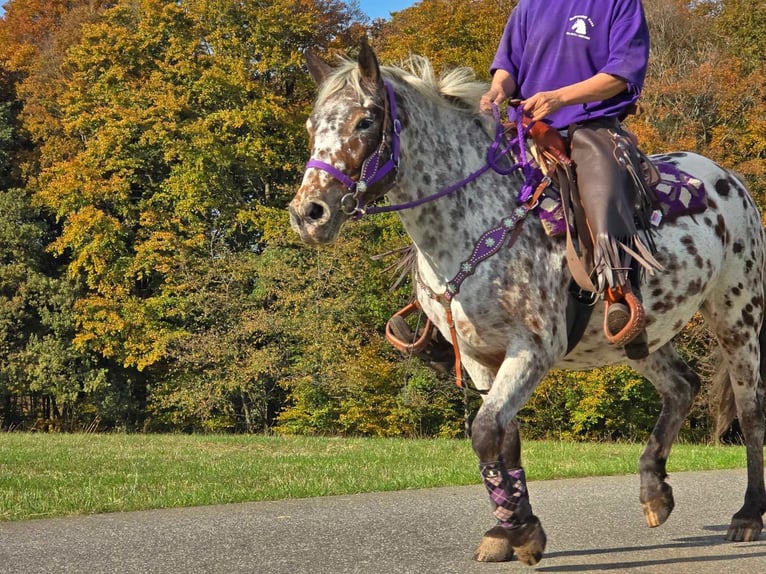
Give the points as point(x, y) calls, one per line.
point(374, 170)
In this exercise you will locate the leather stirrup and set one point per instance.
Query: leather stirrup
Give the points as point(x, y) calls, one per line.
point(408, 346)
point(637, 321)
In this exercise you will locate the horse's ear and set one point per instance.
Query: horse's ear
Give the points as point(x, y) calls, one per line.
point(368, 64)
point(318, 68)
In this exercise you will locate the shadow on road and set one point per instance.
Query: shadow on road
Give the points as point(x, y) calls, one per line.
point(678, 544)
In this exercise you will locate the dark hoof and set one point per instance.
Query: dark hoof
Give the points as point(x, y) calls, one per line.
point(657, 510)
point(529, 542)
point(744, 529)
point(495, 546)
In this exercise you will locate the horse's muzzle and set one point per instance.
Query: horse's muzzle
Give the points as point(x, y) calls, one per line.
point(312, 219)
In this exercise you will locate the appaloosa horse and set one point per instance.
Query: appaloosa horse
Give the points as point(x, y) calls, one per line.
point(423, 142)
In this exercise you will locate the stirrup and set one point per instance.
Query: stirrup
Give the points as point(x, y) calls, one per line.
point(637, 321)
point(401, 336)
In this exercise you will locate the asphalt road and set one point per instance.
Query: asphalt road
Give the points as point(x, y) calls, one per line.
point(593, 525)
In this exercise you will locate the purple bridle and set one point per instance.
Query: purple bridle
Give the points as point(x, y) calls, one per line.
point(374, 169)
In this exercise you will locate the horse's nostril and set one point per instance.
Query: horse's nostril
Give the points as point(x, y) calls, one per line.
point(315, 211)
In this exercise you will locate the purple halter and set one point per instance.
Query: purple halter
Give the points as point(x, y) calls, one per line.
point(373, 168)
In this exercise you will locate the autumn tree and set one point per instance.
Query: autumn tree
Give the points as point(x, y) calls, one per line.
point(176, 126)
point(448, 32)
point(740, 27)
point(704, 92)
point(43, 377)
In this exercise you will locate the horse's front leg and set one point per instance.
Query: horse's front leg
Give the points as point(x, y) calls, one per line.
point(495, 439)
point(496, 544)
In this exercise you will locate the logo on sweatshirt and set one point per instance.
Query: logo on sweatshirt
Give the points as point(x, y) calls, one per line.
point(580, 27)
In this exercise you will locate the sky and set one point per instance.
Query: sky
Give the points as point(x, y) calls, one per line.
point(383, 8)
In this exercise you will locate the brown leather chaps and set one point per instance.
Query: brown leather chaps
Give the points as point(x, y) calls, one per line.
point(614, 199)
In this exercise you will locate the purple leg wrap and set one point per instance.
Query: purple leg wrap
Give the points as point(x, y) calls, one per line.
point(507, 489)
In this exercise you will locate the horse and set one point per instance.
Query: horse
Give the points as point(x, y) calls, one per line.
point(403, 132)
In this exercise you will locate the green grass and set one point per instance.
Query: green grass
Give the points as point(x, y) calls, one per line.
point(46, 475)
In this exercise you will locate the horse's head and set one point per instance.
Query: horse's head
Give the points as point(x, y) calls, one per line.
point(353, 155)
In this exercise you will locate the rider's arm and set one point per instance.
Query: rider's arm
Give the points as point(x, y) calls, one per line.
point(594, 89)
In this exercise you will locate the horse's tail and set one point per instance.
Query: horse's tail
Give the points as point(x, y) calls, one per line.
point(721, 392)
point(722, 396)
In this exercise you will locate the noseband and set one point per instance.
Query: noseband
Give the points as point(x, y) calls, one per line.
point(374, 169)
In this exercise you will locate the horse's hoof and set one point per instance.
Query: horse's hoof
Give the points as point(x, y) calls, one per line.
point(529, 542)
point(657, 510)
point(494, 547)
point(744, 529)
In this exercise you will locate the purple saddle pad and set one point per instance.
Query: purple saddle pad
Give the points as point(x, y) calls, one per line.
point(678, 194)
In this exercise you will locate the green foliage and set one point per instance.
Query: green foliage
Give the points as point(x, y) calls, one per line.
point(42, 374)
point(223, 372)
point(740, 25)
point(6, 144)
point(343, 377)
point(610, 403)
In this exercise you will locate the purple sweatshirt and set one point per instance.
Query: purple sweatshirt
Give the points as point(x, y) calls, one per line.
point(550, 44)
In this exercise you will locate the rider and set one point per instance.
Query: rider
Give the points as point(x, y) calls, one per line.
point(579, 65)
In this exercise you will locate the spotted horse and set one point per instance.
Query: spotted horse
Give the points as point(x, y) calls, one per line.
point(421, 141)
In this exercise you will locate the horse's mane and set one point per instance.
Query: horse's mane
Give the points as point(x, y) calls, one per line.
point(457, 87)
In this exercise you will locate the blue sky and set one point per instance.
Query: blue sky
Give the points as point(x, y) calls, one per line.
point(383, 8)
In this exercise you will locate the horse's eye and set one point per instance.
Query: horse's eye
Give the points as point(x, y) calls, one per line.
point(364, 124)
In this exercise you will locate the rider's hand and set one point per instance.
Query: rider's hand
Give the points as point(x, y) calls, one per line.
point(542, 104)
point(503, 87)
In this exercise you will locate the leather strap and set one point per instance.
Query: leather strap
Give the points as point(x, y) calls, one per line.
point(579, 311)
point(574, 259)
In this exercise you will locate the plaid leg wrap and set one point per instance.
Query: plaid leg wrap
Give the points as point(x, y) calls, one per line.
point(506, 489)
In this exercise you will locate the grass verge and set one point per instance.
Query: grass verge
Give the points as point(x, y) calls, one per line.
point(47, 475)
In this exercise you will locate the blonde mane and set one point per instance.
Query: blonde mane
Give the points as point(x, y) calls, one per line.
point(457, 87)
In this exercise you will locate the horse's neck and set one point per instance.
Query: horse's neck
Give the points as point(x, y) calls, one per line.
point(441, 148)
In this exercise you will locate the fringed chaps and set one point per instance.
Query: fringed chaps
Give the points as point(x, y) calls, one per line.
point(616, 201)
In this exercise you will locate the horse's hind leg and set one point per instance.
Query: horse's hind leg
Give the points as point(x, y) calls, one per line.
point(677, 384)
point(747, 523)
point(747, 386)
point(737, 326)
